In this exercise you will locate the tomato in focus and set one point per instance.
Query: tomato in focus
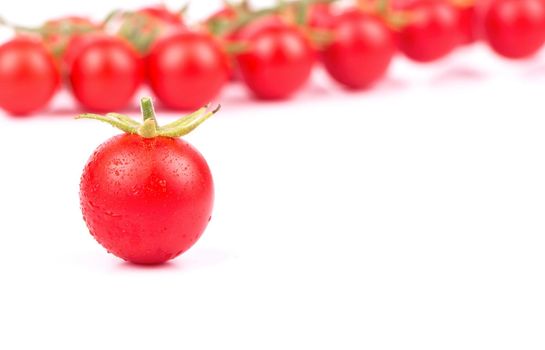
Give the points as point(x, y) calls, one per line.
point(146, 200)
point(146, 195)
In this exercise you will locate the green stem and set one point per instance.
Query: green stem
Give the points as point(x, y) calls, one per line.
point(129, 129)
point(383, 7)
point(149, 128)
point(124, 119)
point(148, 112)
point(186, 119)
point(183, 10)
point(109, 17)
point(185, 129)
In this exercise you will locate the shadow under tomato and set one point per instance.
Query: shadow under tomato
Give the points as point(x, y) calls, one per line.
point(457, 74)
point(167, 266)
point(189, 261)
point(535, 71)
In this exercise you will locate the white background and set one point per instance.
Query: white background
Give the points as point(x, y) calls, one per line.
point(406, 217)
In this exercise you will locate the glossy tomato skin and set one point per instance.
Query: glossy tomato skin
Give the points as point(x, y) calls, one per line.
point(433, 30)
point(146, 200)
point(515, 28)
point(187, 70)
point(29, 76)
point(361, 51)
point(105, 72)
point(278, 62)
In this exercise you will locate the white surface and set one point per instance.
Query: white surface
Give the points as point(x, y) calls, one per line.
point(408, 217)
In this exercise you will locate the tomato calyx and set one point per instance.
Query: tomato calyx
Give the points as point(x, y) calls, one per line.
point(396, 19)
point(150, 128)
point(141, 28)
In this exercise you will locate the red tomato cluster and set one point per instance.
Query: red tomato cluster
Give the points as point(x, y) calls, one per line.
point(272, 51)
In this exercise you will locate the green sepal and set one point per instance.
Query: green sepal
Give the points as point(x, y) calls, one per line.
point(150, 128)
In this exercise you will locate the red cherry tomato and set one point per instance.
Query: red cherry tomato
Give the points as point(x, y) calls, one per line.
point(187, 70)
point(105, 73)
point(433, 30)
point(146, 200)
point(277, 63)
point(515, 28)
point(146, 195)
point(28, 76)
point(361, 51)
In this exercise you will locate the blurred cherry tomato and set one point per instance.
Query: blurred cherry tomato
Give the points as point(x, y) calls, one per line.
point(187, 70)
point(277, 62)
point(105, 72)
point(515, 28)
point(28, 76)
point(432, 31)
point(361, 51)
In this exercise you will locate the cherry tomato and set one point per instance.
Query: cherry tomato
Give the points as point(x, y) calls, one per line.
point(432, 31)
point(187, 70)
point(515, 28)
point(146, 199)
point(105, 73)
point(277, 63)
point(361, 51)
point(28, 76)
